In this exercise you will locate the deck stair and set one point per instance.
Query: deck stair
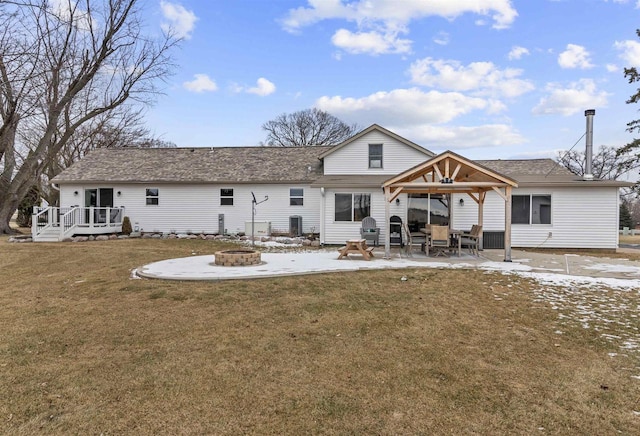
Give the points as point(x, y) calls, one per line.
point(53, 224)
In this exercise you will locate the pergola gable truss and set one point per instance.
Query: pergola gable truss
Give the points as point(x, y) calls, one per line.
point(450, 173)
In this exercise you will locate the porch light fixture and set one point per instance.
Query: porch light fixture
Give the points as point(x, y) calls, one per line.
point(397, 202)
point(119, 193)
point(446, 180)
point(462, 202)
point(75, 192)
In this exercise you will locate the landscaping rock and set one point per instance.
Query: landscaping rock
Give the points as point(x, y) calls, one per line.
point(146, 236)
point(306, 243)
point(315, 243)
point(80, 239)
point(102, 238)
point(113, 237)
point(156, 236)
point(20, 238)
point(123, 236)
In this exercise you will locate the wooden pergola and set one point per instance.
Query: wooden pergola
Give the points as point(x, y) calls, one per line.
point(450, 173)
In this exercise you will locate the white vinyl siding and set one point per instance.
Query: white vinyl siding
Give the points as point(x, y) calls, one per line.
point(354, 157)
point(580, 218)
point(195, 207)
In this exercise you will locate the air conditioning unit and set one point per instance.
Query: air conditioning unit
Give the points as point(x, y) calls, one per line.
point(260, 228)
point(295, 225)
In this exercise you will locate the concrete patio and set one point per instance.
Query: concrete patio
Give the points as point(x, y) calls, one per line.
point(325, 261)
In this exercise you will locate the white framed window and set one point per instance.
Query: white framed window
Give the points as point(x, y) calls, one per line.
point(296, 197)
point(152, 196)
point(352, 207)
point(375, 155)
point(531, 209)
point(226, 197)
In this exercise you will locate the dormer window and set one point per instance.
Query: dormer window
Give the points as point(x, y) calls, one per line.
point(375, 155)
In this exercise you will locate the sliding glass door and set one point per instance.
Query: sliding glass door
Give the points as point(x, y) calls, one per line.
point(98, 198)
point(426, 209)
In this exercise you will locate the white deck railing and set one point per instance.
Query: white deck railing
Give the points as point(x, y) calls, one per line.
point(67, 221)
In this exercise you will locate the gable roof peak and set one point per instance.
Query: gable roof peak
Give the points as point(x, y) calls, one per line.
point(382, 130)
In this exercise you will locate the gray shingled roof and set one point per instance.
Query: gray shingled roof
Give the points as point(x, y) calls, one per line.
point(265, 165)
point(543, 172)
point(518, 167)
point(197, 165)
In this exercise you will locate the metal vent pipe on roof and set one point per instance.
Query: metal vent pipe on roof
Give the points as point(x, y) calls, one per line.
point(588, 171)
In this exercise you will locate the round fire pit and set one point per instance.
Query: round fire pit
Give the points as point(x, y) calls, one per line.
point(237, 257)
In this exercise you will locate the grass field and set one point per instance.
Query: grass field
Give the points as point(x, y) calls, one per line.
point(86, 349)
point(630, 239)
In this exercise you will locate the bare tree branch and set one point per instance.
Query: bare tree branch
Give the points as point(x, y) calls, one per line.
point(307, 128)
point(64, 71)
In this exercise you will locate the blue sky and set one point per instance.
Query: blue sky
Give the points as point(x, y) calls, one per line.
point(485, 78)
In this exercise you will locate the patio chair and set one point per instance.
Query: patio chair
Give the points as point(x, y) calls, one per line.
point(440, 240)
point(471, 240)
point(369, 231)
point(413, 239)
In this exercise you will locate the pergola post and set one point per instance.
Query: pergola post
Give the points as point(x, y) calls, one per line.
point(481, 196)
point(387, 224)
point(507, 224)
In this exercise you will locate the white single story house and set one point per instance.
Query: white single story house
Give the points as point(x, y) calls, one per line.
point(329, 190)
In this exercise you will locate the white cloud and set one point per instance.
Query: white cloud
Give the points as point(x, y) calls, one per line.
point(442, 38)
point(263, 88)
point(403, 107)
point(484, 78)
point(517, 52)
point(568, 101)
point(180, 21)
point(424, 117)
point(370, 42)
point(575, 56)
point(612, 68)
point(440, 138)
point(201, 83)
point(630, 52)
point(379, 22)
point(391, 13)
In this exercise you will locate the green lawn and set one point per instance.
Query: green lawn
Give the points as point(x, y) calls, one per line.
point(86, 349)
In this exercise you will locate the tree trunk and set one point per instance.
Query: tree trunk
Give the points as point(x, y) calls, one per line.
point(7, 209)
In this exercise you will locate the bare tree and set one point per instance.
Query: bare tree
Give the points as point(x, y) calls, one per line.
point(306, 128)
point(64, 66)
point(607, 163)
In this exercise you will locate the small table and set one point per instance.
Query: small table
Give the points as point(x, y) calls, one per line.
point(356, 246)
point(452, 232)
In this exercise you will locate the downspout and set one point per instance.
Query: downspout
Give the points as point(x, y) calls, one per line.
point(323, 199)
point(57, 188)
